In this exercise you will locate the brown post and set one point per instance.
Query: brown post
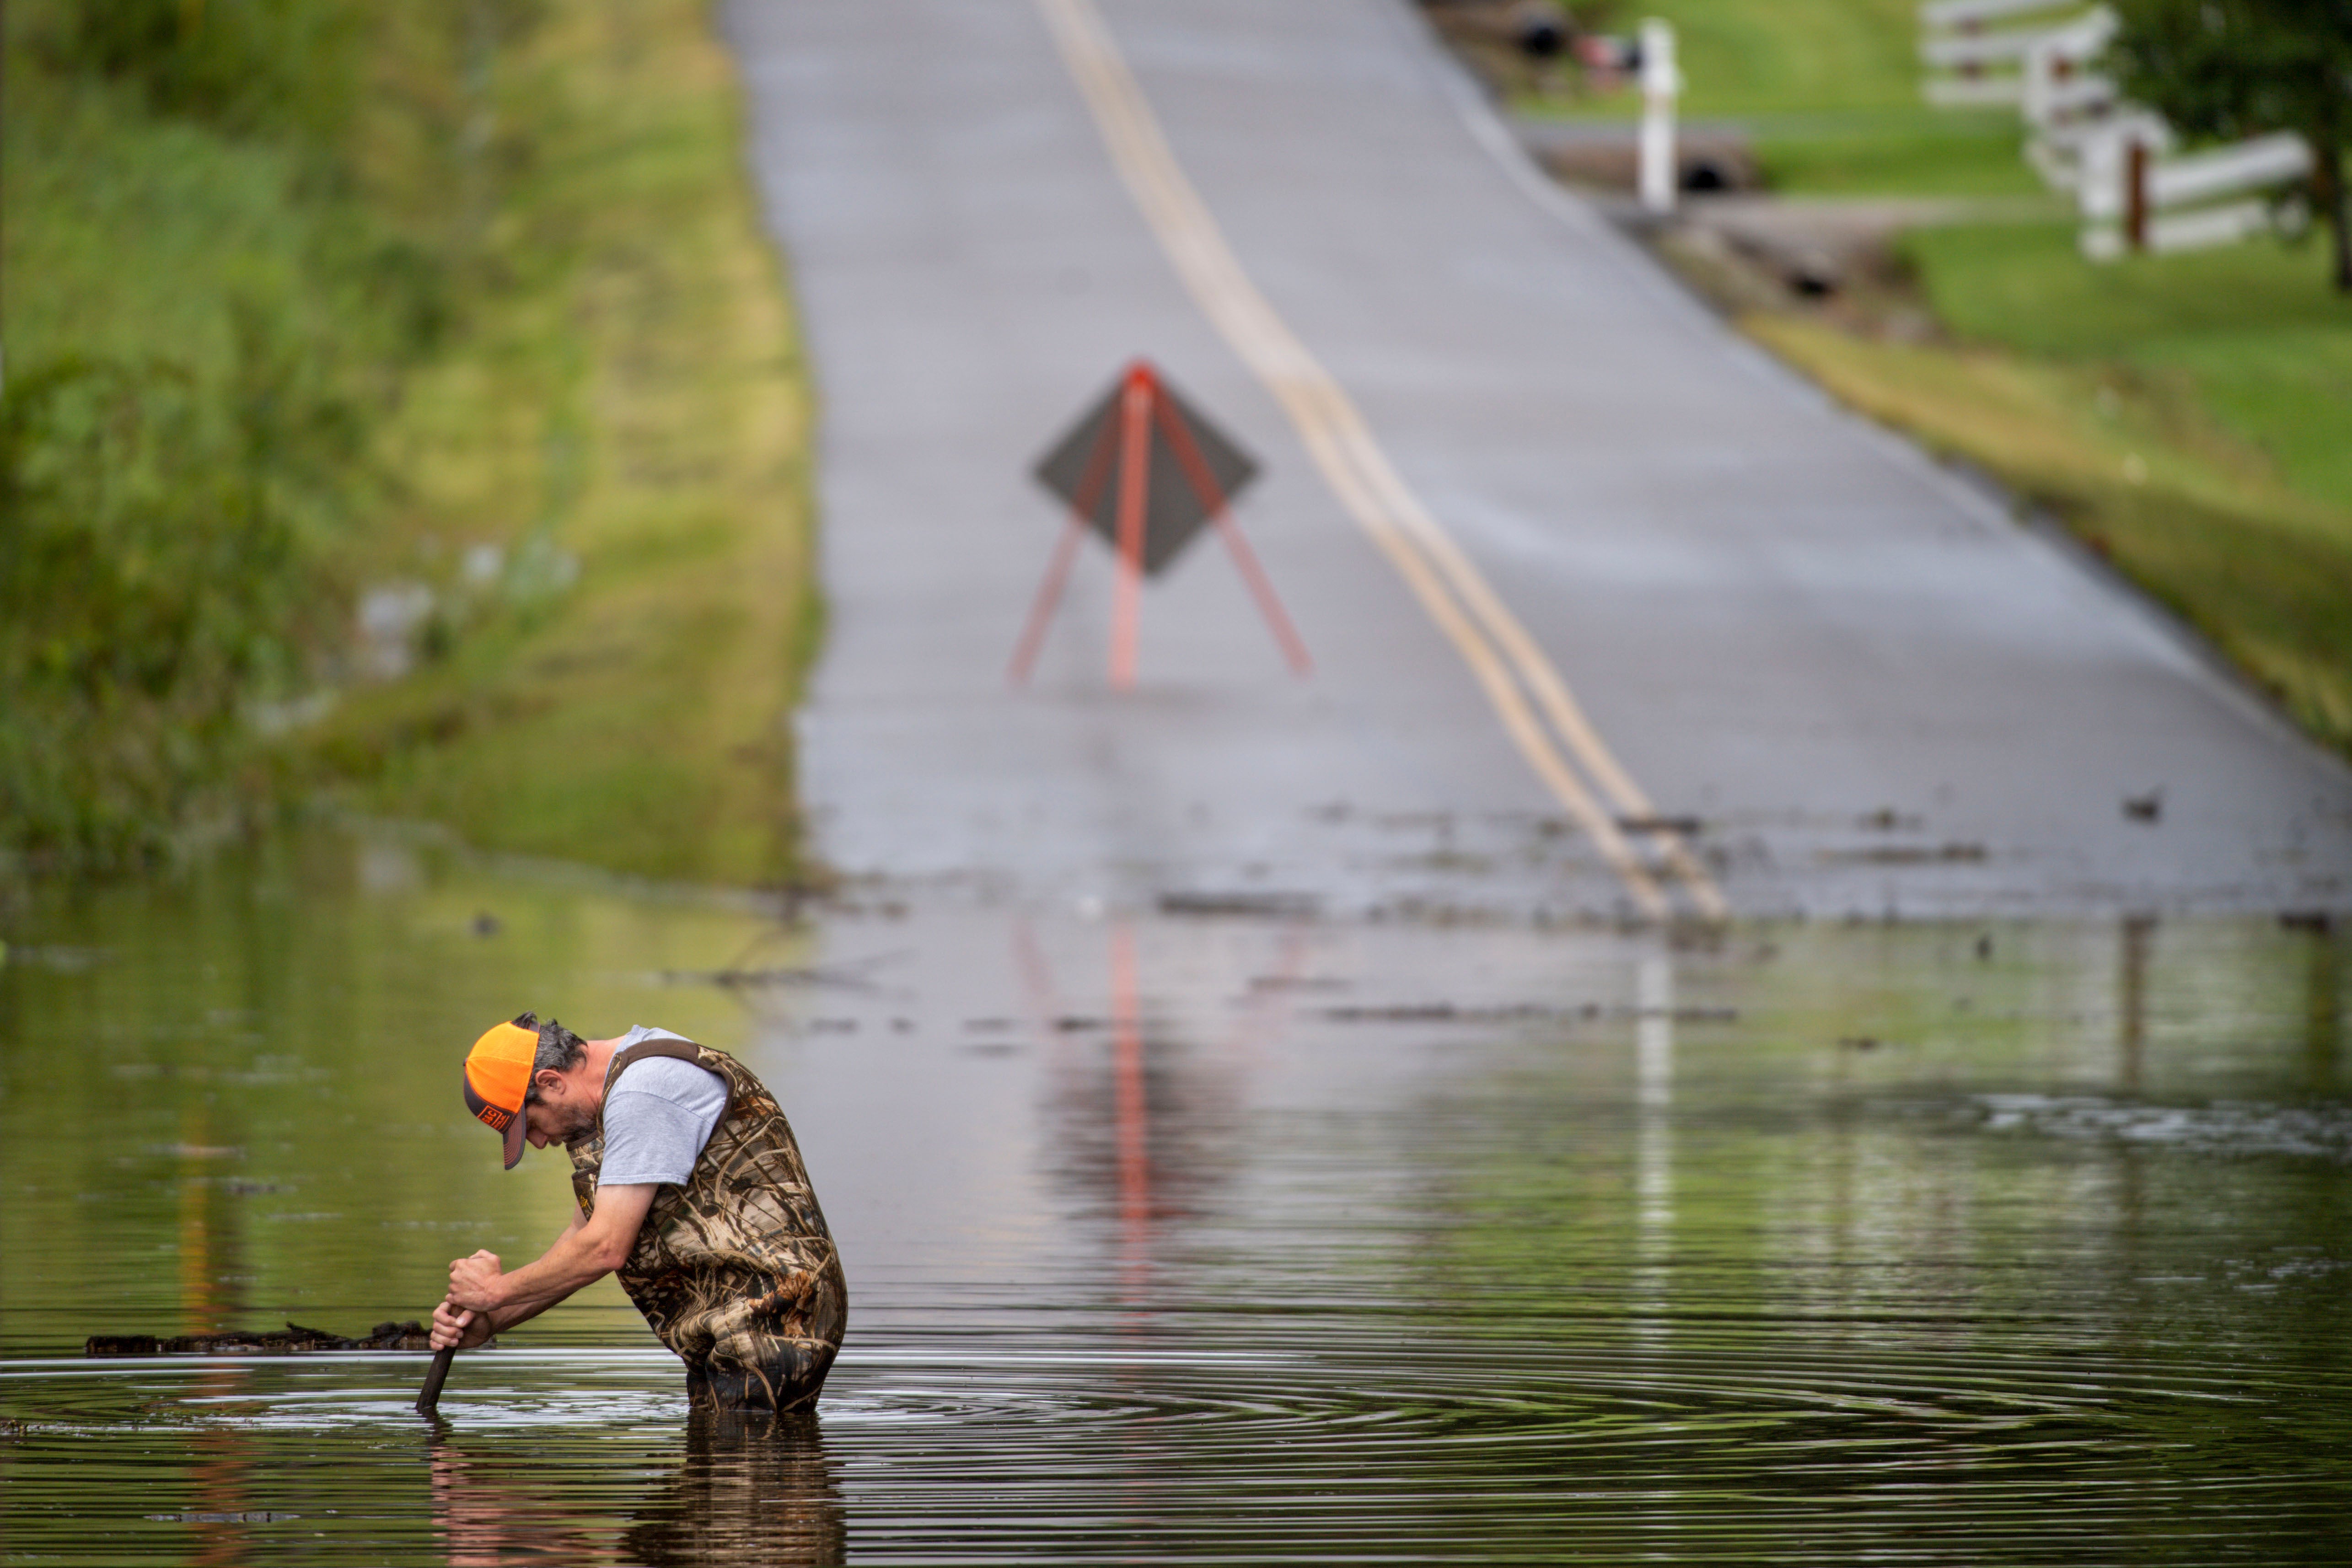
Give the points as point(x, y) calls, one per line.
point(429, 1400)
point(2136, 194)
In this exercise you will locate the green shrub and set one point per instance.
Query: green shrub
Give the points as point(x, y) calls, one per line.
point(163, 571)
point(281, 67)
point(205, 312)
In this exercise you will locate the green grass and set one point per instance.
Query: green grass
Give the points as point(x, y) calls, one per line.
point(637, 405)
point(1917, 151)
point(522, 252)
point(2288, 393)
point(1810, 59)
point(2251, 332)
point(90, 181)
point(1803, 57)
point(2028, 287)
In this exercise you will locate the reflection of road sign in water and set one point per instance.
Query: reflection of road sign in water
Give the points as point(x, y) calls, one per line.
point(1146, 471)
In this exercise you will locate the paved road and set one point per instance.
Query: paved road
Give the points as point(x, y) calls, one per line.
point(1871, 692)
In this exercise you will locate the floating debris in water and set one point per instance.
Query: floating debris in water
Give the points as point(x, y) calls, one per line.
point(1907, 855)
point(850, 975)
point(1268, 905)
point(1689, 827)
point(296, 1339)
point(1521, 1013)
point(1453, 1012)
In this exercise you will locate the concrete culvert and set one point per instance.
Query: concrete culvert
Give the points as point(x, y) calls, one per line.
point(1707, 175)
point(1815, 277)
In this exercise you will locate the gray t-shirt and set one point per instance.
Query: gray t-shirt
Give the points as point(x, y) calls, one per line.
point(658, 1115)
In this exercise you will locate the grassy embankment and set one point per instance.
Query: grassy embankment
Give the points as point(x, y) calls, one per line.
point(520, 264)
point(2189, 416)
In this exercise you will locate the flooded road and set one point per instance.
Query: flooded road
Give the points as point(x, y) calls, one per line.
point(1257, 1117)
point(1610, 615)
point(1179, 1238)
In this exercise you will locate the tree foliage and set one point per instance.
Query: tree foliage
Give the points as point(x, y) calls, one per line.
point(2233, 69)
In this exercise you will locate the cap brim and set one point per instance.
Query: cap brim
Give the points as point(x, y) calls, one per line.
point(514, 1136)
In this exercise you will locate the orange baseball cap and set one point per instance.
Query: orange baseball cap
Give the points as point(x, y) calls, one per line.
point(497, 1078)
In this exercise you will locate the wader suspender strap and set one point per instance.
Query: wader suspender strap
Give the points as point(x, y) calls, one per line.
point(677, 1050)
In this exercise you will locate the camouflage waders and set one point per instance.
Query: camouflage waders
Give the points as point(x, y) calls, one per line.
point(735, 1269)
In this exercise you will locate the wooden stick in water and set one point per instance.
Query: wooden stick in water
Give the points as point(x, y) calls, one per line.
point(431, 1397)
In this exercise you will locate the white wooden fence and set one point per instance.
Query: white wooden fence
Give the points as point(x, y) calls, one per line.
point(2067, 100)
point(2082, 136)
point(2045, 69)
point(1972, 61)
point(2133, 199)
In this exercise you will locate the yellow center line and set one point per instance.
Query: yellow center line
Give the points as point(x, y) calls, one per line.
point(1451, 591)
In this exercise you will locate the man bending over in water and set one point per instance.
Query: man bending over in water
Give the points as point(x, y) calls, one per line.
point(690, 1185)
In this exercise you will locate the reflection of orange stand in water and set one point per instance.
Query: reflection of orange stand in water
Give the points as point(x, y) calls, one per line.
point(1131, 1103)
point(220, 1476)
point(1149, 515)
point(1131, 1110)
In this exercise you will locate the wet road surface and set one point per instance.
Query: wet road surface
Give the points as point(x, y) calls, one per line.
point(1849, 683)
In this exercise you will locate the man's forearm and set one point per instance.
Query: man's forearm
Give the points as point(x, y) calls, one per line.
point(574, 1262)
point(501, 1318)
point(582, 1255)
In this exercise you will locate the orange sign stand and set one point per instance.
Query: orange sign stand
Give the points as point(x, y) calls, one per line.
point(1145, 472)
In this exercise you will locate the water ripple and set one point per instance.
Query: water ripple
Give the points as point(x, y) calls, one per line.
point(2323, 1132)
